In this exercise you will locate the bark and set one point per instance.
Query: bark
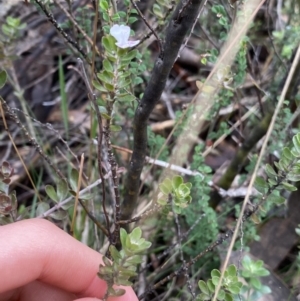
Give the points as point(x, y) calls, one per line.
point(180, 24)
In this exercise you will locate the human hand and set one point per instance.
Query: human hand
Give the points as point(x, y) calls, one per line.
point(40, 262)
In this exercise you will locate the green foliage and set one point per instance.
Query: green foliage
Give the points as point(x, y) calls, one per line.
point(229, 288)
point(179, 191)
point(251, 272)
point(223, 129)
point(121, 17)
point(155, 142)
point(125, 261)
point(287, 39)
point(116, 79)
point(241, 63)
point(3, 78)
point(12, 27)
point(10, 32)
point(59, 194)
point(161, 9)
point(205, 231)
point(221, 14)
point(288, 170)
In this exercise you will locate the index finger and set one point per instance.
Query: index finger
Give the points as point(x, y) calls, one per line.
point(36, 249)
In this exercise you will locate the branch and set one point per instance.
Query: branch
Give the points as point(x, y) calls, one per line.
point(176, 32)
point(60, 30)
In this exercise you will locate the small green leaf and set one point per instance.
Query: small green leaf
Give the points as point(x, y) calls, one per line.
point(122, 14)
point(221, 294)
point(74, 179)
point(98, 86)
point(231, 270)
point(158, 11)
point(137, 80)
point(109, 87)
point(108, 66)
point(123, 82)
point(59, 215)
point(3, 78)
point(106, 261)
point(289, 186)
point(203, 297)
point(272, 182)
point(276, 198)
point(255, 219)
point(86, 196)
point(167, 183)
point(255, 282)
point(104, 5)
point(115, 254)
point(215, 280)
point(294, 175)
point(115, 18)
point(105, 77)
point(164, 188)
point(135, 235)
point(126, 98)
point(261, 185)
point(262, 272)
point(129, 55)
point(182, 191)
point(265, 290)
point(228, 297)
point(210, 285)
point(131, 20)
point(270, 171)
point(235, 288)
point(133, 260)
point(176, 181)
point(115, 128)
point(203, 287)
point(123, 237)
point(42, 208)
point(62, 190)
point(109, 44)
point(162, 202)
point(287, 154)
point(296, 142)
point(215, 273)
point(52, 193)
point(105, 116)
point(203, 60)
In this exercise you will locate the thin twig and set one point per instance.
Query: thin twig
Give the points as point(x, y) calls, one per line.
point(93, 99)
point(50, 127)
point(13, 115)
point(184, 266)
point(170, 248)
point(271, 38)
point(193, 27)
point(77, 194)
point(84, 34)
point(60, 30)
point(149, 26)
point(16, 149)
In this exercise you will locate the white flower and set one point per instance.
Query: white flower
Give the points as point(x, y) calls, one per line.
point(121, 33)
